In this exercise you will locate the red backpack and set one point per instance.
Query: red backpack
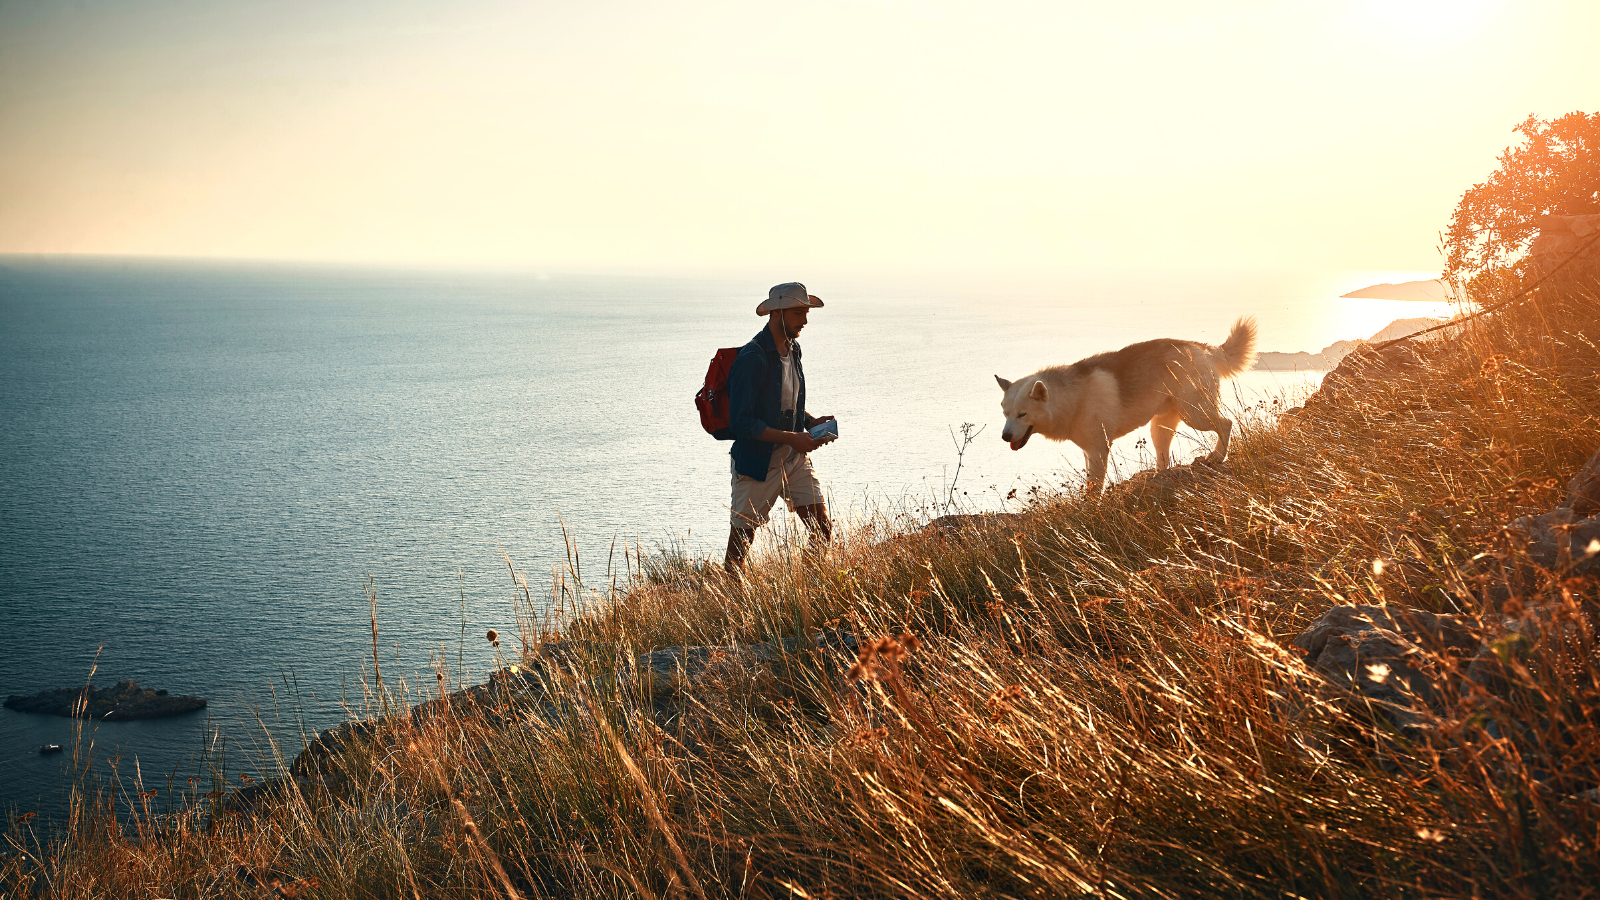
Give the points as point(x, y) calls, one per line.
point(712, 400)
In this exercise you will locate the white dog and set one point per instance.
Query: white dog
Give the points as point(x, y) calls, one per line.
point(1097, 400)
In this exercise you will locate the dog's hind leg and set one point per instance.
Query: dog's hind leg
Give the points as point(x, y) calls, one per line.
point(1200, 408)
point(1162, 427)
point(1224, 430)
point(1212, 419)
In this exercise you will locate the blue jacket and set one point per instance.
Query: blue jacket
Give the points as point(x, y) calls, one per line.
point(755, 389)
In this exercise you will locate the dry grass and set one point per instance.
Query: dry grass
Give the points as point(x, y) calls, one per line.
point(1097, 700)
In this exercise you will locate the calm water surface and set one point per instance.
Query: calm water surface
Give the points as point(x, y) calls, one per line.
point(203, 468)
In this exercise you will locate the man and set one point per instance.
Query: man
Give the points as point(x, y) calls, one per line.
point(767, 412)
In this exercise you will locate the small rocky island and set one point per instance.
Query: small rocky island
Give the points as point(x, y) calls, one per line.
point(125, 701)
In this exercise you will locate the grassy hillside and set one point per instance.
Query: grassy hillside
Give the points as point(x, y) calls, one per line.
point(1093, 697)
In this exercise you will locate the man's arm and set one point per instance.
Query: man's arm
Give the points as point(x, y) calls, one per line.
point(744, 380)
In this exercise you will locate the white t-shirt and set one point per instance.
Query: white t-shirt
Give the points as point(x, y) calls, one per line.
point(788, 395)
point(791, 387)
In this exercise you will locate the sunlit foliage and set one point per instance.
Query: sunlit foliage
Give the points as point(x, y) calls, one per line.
point(1554, 171)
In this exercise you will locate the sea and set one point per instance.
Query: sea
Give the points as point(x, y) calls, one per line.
point(212, 474)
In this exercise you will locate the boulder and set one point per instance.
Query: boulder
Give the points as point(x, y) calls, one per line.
point(251, 798)
point(1399, 660)
point(962, 523)
point(321, 754)
point(1583, 491)
point(1520, 686)
point(1166, 486)
point(1410, 666)
point(673, 669)
point(1567, 539)
point(1560, 237)
point(1510, 656)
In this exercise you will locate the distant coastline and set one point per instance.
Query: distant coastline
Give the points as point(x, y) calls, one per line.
point(1329, 357)
point(1430, 291)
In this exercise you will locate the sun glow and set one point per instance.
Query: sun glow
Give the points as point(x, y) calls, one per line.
point(1423, 24)
point(1018, 137)
point(1354, 318)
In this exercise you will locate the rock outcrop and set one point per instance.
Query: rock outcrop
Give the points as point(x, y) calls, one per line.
point(540, 690)
point(1414, 669)
point(1560, 237)
point(1348, 384)
point(958, 524)
point(1566, 540)
point(675, 669)
point(1398, 660)
point(121, 703)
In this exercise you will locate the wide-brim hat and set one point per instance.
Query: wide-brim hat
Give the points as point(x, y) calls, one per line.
point(787, 296)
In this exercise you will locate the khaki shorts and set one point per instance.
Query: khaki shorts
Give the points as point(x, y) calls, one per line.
point(789, 476)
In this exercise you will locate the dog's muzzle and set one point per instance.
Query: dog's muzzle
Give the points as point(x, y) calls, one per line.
point(1017, 444)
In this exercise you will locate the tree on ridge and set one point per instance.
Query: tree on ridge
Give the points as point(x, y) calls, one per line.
point(1555, 172)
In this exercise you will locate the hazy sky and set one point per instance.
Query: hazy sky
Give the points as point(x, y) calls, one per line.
point(886, 136)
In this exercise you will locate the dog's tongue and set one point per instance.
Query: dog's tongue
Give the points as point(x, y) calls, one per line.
point(1017, 445)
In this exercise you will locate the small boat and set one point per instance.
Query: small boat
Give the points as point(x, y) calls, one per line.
point(49, 748)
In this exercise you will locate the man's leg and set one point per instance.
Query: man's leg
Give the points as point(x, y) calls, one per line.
point(803, 492)
point(739, 540)
point(752, 500)
point(817, 522)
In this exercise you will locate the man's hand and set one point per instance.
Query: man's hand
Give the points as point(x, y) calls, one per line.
point(818, 421)
point(815, 421)
point(802, 441)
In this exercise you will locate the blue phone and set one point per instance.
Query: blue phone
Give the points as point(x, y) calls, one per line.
point(829, 428)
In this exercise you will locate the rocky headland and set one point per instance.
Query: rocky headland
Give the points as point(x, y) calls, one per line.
point(1434, 290)
point(124, 702)
point(1331, 356)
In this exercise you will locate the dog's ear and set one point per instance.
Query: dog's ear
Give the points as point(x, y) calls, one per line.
point(1004, 384)
point(1038, 391)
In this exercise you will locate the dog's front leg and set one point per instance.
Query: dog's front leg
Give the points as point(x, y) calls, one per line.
point(1095, 455)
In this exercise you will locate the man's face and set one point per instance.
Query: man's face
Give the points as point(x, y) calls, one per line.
point(794, 319)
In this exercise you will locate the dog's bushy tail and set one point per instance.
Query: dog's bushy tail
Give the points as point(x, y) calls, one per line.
point(1238, 352)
